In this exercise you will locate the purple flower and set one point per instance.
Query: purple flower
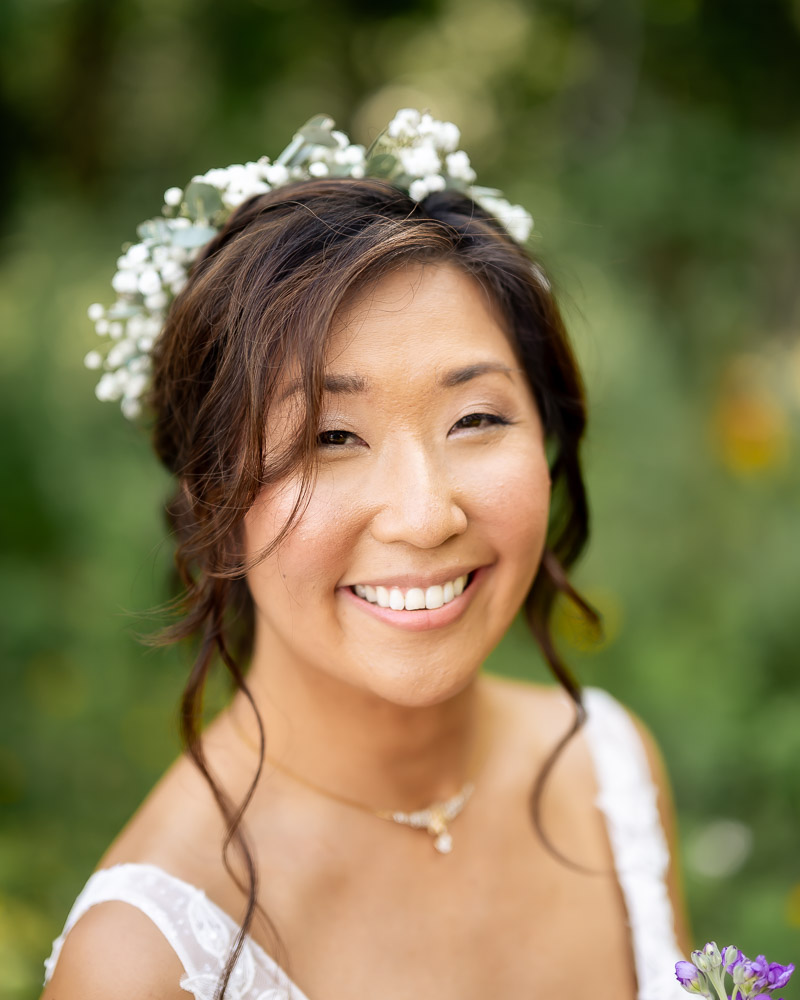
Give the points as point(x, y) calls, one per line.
point(765, 975)
point(691, 978)
point(686, 973)
point(738, 959)
point(754, 979)
point(779, 975)
point(758, 971)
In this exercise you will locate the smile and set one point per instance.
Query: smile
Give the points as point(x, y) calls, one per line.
point(412, 598)
point(406, 608)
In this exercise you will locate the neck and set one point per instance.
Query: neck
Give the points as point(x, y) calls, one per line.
point(352, 742)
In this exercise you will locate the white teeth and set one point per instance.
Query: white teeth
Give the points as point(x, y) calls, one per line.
point(434, 597)
point(415, 598)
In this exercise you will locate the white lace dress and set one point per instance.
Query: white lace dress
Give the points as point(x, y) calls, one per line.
point(201, 933)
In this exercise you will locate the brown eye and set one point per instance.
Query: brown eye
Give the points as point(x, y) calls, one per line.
point(478, 420)
point(335, 438)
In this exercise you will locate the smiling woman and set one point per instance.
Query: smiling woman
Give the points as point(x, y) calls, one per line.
point(357, 392)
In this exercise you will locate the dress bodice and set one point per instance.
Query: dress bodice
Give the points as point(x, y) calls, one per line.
point(201, 933)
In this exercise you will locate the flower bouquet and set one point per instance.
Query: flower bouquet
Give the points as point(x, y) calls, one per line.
point(753, 979)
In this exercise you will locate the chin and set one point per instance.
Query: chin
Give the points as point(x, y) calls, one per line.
point(412, 688)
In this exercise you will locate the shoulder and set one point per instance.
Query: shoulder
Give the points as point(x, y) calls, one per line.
point(178, 827)
point(114, 952)
point(527, 708)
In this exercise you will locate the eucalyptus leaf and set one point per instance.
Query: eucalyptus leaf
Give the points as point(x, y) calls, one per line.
point(381, 165)
point(319, 137)
point(477, 192)
point(123, 310)
point(193, 236)
point(287, 156)
point(317, 124)
point(154, 229)
point(202, 201)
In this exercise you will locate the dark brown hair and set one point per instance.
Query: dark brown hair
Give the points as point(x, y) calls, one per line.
point(262, 297)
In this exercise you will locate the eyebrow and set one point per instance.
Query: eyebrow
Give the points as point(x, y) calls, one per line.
point(458, 376)
point(348, 385)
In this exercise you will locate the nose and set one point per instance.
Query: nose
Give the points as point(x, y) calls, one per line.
point(418, 502)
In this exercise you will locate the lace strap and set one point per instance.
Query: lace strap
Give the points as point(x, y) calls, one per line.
point(628, 799)
point(196, 929)
point(116, 885)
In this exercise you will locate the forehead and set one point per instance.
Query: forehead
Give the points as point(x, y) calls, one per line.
point(422, 319)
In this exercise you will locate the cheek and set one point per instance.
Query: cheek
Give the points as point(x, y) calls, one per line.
point(310, 559)
point(512, 500)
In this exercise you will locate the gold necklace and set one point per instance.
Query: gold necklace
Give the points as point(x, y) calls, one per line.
point(433, 818)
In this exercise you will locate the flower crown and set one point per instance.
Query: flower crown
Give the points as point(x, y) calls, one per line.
point(416, 153)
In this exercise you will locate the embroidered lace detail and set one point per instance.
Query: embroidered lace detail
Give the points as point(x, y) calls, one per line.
point(199, 932)
point(628, 799)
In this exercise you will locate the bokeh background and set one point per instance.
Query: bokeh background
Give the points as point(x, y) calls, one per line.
point(657, 144)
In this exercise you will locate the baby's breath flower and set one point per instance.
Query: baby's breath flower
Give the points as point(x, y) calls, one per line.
point(276, 174)
point(107, 389)
point(156, 300)
point(404, 124)
point(458, 166)
point(125, 283)
point(419, 161)
point(173, 196)
point(149, 282)
point(137, 254)
point(418, 190)
point(131, 408)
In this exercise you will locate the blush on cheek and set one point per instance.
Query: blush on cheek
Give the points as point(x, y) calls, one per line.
point(519, 510)
point(310, 559)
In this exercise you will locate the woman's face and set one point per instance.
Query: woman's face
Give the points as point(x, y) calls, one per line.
point(431, 497)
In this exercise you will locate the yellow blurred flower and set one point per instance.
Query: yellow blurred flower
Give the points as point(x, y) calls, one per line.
point(750, 427)
point(793, 906)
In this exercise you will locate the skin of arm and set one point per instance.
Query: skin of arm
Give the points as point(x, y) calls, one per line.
point(115, 952)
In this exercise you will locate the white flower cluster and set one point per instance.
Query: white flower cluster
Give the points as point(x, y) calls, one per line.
point(416, 153)
point(426, 151)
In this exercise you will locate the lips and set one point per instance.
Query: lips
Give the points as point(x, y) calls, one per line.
point(419, 619)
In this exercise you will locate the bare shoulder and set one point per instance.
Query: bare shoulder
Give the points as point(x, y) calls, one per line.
point(540, 713)
point(177, 827)
point(115, 952)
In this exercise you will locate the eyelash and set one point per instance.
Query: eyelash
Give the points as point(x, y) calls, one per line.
point(493, 419)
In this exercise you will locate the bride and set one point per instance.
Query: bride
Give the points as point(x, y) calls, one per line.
point(366, 396)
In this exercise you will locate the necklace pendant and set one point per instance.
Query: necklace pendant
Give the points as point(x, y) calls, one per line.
point(437, 827)
point(443, 843)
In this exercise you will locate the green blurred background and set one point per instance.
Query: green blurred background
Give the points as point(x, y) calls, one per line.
point(657, 144)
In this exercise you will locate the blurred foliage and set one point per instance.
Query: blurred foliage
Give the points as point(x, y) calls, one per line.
point(657, 144)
